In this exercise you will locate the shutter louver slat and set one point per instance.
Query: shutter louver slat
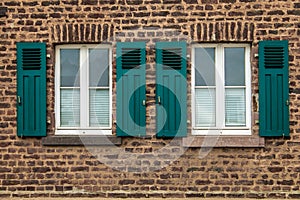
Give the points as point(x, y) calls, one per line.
point(172, 57)
point(274, 57)
point(131, 57)
point(31, 58)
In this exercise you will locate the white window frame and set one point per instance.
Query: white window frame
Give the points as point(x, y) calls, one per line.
point(84, 106)
point(220, 128)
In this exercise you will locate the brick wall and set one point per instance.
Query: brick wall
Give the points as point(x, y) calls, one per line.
point(29, 169)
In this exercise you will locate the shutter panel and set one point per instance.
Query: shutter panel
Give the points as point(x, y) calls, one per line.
point(131, 89)
point(171, 89)
point(31, 89)
point(273, 88)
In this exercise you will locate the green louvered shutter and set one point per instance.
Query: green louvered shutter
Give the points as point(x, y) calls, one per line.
point(131, 89)
point(171, 88)
point(31, 89)
point(273, 88)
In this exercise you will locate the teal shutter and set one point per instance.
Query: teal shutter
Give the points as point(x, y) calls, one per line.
point(171, 89)
point(31, 89)
point(131, 89)
point(273, 88)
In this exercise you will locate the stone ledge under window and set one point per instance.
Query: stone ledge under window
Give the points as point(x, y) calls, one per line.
point(81, 141)
point(223, 141)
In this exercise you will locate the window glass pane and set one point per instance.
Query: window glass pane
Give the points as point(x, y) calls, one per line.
point(235, 107)
point(205, 105)
point(69, 66)
point(98, 62)
point(99, 108)
point(69, 107)
point(234, 66)
point(205, 66)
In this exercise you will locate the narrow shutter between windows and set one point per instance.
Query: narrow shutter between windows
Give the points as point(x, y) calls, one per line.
point(31, 89)
point(171, 89)
point(273, 88)
point(131, 89)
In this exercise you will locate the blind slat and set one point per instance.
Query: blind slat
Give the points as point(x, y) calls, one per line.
point(99, 108)
point(70, 107)
point(205, 103)
point(235, 107)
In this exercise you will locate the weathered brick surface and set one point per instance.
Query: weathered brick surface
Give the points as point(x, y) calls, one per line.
point(30, 170)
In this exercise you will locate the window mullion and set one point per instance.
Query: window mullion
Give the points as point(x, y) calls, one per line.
point(220, 89)
point(248, 86)
point(110, 87)
point(83, 88)
point(193, 83)
point(57, 87)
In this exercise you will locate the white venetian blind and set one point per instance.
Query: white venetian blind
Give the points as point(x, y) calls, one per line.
point(235, 107)
point(99, 108)
point(205, 105)
point(70, 107)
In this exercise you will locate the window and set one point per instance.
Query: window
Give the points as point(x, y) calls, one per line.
point(221, 89)
point(83, 89)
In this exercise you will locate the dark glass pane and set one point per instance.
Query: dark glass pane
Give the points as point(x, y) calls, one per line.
point(205, 66)
point(235, 66)
point(99, 65)
point(69, 67)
